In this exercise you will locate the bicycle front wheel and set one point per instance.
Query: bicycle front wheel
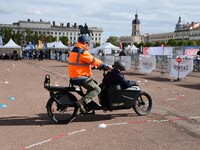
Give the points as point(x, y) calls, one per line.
point(143, 104)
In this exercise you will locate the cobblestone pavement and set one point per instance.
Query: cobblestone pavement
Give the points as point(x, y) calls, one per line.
point(173, 123)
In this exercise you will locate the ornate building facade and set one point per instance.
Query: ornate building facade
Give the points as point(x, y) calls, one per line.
point(183, 31)
point(135, 35)
point(46, 28)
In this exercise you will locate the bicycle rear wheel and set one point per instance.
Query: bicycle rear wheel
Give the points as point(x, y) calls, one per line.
point(61, 114)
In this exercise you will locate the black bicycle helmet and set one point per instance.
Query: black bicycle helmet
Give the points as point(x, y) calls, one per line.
point(119, 65)
point(83, 39)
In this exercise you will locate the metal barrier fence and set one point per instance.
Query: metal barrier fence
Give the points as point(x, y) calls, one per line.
point(162, 62)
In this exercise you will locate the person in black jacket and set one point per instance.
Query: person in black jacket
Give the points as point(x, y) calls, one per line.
point(122, 53)
point(115, 76)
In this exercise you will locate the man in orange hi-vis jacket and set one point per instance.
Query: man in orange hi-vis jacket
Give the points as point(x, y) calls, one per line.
point(80, 63)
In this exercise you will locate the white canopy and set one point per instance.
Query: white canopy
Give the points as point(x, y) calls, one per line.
point(106, 47)
point(56, 45)
point(10, 47)
point(131, 49)
point(11, 44)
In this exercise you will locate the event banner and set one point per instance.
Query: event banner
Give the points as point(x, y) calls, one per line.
point(190, 50)
point(160, 50)
point(147, 64)
point(185, 67)
point(109, 60)
point(126, 60)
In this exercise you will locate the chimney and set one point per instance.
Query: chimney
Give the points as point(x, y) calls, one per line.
point(28, 19)
point(54, 23)
point(74, 25)
point(68, 24)
point(40, 20)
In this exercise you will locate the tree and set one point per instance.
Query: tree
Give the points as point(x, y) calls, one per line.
point(136, 44)
point(158, 43)
point(50, 38)
point(198, 42)
point(96, 44)
point(17, 38)
point(182, 43)
point(114, 40)
point(6, 34)
point(64, 40)
point(28, 36)
point(172, 42)
point(192, 43)
point(148, 44)
point(141, 44)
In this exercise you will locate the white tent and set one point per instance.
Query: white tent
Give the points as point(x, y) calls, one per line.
point(106, 48)
point(10, 47)
point(11, 44)
point(60, 45)
point(56, 45)
point(131, 49)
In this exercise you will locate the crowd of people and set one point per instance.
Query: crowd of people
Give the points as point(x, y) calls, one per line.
point(34, 54)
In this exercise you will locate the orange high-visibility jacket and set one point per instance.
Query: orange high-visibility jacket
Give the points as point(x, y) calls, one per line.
point(80, 62)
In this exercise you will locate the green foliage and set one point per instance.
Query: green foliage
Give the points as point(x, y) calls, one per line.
point(172, 42)
point(140, 44)
point(192, 43)
point(124, 44)
point(158, 43)
point(64, 40)
point(6, 34)
point(182, 43)
point(198, 42)
point(136, 44)
point(114, 40)
point(96, 44)
point(148, 44)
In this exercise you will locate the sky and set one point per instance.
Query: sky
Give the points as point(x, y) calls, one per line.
point(113, 16)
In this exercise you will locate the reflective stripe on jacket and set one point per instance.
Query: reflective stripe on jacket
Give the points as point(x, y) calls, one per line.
point(80, 62)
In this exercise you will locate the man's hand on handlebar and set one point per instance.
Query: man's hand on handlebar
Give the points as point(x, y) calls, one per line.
point(94, 67)
point(108, 68)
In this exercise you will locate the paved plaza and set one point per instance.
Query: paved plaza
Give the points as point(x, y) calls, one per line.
point(173, 123)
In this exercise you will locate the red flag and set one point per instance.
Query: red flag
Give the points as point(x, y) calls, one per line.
point(120, 44)
point(145, 50)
